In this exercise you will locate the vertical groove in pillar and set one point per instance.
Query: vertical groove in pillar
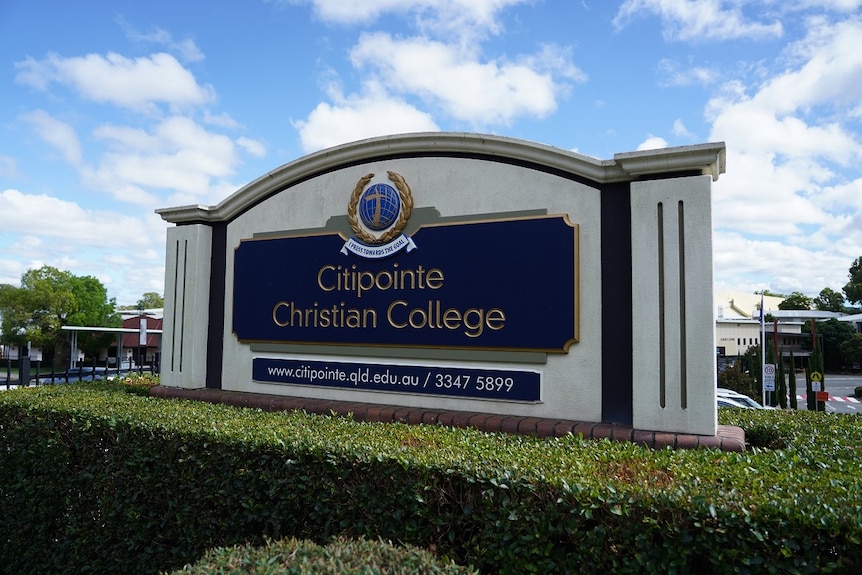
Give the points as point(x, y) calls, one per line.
point(662, 370)
point(683, 384)
point(176, 307)
point(185, 278)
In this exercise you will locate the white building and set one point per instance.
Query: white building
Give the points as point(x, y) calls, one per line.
point(737, 324)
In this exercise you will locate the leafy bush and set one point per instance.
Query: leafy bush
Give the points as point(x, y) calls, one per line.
point(341, 557)
point(93, 479)
point(139, 383)
point(736, 378)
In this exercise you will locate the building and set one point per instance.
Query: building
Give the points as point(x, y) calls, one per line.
point(143, 347)
point(855, 320)
point(738, 325)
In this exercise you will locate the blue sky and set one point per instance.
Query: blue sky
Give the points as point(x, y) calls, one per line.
point(111, 110)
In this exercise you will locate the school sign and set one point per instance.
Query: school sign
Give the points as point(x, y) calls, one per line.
point(457, 271)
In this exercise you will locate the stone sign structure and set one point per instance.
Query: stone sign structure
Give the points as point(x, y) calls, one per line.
point(459, 272)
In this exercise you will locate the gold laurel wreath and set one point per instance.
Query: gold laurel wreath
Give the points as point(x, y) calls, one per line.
point(406, 202)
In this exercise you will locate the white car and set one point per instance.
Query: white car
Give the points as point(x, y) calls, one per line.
point(728, 402)
point(737, 399)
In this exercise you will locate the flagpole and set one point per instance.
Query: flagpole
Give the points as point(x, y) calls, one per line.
point(762, 351)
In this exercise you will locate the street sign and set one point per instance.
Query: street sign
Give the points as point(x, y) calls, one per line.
point(816, 378)
point(769, 377)
point(822, 396)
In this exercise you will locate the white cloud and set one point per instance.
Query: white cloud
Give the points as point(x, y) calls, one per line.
point(187, 49)
point(837, 5)
point(741, 263)
point(57, 133)
point(69, 222)
point(464, 17)
point(136, 83)
point(792, 182)
point(357, 118)
point(223, 120)
point(672, 74)
point(253, 147)
point(679, 130)
point(452, 78)
point(124, 252)
point(177, 156)
point(698, 19)
point(652, 143)
point(829, 69)
point(8, 166)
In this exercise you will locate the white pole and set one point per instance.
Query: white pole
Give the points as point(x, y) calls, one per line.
point(762, 351)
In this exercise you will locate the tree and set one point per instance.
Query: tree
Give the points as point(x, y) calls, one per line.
point(796, 300)
point(791, 382)
point(815, 364)
point(833, 334)
point(781, 382)
point(736, 377)
point(151, 300)
point(49, 299)
point(851, 349)
point(36, 311)
point(829, 300)
point(93, 308)
point(853, 288)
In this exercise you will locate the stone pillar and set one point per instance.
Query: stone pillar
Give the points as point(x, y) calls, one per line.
point(674, 334)
point(187, 288)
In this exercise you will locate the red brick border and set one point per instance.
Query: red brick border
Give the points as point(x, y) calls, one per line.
point(727, 438)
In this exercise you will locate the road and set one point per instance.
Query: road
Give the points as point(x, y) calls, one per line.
point(842, 386)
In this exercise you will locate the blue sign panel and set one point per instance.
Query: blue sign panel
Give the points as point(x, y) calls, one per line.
point(508, 284)
point(506, 385)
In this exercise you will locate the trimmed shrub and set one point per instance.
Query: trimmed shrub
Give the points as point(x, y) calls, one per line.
point(341, 557)
point(96, 480)
point(139, 383)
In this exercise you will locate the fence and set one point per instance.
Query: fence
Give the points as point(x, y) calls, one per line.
point(70, 375)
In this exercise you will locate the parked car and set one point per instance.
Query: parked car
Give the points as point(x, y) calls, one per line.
point(739, 398)
point(728, 402)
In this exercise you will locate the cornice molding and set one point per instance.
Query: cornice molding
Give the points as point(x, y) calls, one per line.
point(704, 158)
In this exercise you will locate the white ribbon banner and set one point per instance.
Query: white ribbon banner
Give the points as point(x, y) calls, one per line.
point(377, 252)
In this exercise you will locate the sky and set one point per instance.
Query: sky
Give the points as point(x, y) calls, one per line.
point(111, 110)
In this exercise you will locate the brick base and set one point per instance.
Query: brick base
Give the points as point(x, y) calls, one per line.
point(727, 438)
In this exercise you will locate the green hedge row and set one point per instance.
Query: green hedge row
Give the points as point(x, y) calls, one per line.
point(96, 480)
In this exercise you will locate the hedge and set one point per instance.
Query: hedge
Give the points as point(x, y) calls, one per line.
point(340, 557)
point(97, 480)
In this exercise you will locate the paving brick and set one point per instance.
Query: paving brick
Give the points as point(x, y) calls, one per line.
point(663, 440)
point(462, 418)
point(604, 431)
point(414, 416)
point(386, 413)
point(563, 428)
point(584, 429)
point(510, 425)
point(477, 420)
point(493, 423)
point(710, 441)
point(527, 426)
point(687, 441)
point(429, 417)
point(545, 427)
point(643, 437)
point(401, 414)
